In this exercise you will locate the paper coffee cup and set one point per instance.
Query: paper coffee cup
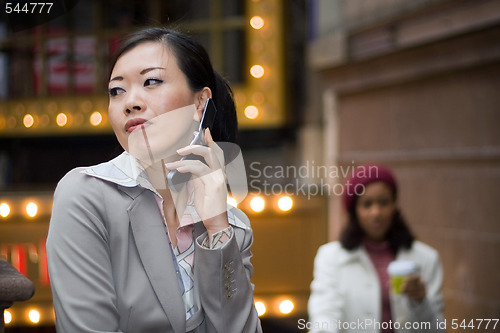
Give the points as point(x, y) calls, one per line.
point(398, 271)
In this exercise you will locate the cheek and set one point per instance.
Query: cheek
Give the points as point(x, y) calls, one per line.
point(117, 123)
point(113, 115)
point(166, 101)
point(389, 213)
point(362, 215)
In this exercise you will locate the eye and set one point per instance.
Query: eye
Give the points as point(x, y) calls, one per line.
point(150, 82)
point(384, 202)
point(366, 204)
point(115, 91)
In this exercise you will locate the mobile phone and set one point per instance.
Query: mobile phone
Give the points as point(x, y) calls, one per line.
point(176, 179)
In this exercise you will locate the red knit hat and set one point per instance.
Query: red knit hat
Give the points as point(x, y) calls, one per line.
point(364, 175)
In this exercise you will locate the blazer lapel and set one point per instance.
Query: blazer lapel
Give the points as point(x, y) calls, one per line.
point(156, 255)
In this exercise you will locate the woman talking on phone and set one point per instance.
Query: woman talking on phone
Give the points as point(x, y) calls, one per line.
point(126, 253)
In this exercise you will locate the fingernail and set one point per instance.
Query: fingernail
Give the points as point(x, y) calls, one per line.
point(208, 135)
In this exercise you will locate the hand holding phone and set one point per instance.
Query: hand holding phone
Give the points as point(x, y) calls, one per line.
point(176, 179)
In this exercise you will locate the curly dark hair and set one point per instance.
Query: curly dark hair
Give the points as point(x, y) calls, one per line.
point(399, 234)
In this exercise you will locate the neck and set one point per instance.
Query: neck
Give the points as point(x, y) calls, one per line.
point(375, 241)
point(157, 175)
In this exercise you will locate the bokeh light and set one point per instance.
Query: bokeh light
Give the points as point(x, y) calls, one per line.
point(285, 203)
point(4, 209)
point(61, 120)
point(260, 307)
point(34, 316)
point(232, 201)
point(28, 120)
point(257, 71)
point(31, 209)
point(96, 118)
point(257, 22)
point(7, 317)
point(251, 112)
point(286, 306)
point(257, 204)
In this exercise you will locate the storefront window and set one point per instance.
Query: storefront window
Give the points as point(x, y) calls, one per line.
point(70, 54)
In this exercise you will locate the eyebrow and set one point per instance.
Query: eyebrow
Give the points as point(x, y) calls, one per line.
point(144, 71)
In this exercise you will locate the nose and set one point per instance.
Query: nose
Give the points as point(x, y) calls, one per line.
point(375, 210)
point(134, 102)
point(135, 107)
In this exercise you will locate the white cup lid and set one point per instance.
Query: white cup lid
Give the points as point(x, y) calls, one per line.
point(402, 267)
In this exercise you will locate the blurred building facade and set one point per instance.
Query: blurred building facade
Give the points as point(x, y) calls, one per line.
point(413, 84)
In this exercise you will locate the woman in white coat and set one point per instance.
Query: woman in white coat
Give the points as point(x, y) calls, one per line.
point(351, 289)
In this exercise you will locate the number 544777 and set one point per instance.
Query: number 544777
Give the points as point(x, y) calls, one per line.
point(28, 7)
point(474, 324)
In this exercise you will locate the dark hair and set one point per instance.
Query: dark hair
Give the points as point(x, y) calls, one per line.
point(399, 234)
point(194, 62)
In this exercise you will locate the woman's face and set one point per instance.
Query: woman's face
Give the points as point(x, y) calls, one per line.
point(146, 83)
point(375, 210)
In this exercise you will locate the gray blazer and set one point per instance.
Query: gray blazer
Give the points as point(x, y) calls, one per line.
point(112, 269)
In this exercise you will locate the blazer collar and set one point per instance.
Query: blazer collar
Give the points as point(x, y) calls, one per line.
point(157, 257)
point(123, 170)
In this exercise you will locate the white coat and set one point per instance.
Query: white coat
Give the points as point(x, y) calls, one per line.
point(346, 294)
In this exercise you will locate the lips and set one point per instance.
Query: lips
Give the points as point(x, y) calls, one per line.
point(133, 124)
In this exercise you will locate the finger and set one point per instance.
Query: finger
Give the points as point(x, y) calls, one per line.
point(408, 284)
point(208, 136)
point(173, 165)
point(210, 141)
point(195, 167)
point(412, 278)
point(404, 287)
point(219, 153)
point(202, 151)
point(200, 171)
point(192, 149)
point(413, 287)
point(214, 156)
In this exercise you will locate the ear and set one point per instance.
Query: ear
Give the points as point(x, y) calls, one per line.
point(201, 99)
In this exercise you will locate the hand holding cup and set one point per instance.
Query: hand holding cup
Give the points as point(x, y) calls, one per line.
point(404, 279)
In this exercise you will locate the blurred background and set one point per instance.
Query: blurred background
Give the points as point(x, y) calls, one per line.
point(320, 85)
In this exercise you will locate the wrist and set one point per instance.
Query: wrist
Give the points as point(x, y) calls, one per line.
point(216, 224)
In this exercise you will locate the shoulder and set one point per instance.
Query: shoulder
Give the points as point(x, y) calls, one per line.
point(332, 247)
point(79, 186)
point(85, 178)
point(77, 192)
point(424, 250)
point(333, 252)
point(73, 181)
point(421, 253)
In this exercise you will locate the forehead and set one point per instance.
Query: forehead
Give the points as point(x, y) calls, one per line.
point(149, 54)
point(377, 189)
